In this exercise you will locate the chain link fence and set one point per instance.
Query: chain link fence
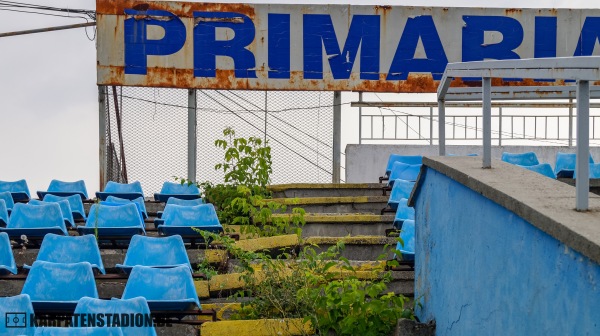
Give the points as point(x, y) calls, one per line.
point(147, 130)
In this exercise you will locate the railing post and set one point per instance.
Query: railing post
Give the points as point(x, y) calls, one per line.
point(102, 135)
point(337, 136)
point(431, 126)
point(582, 166)
point(192, 139)
point(487, 122)
point(442, 127)
point(571, 122)
point(360, 99)
point(500, 126)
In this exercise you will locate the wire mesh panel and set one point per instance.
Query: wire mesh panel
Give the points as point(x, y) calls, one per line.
point(147, 130)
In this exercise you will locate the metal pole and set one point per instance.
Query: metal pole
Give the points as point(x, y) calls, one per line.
point(192, 135)
point(360, 94)
point(441, 127)
point(266, 109)
point(500, 127)
point(487, 122)
point(102, 134)
point(49, 29)
point(582, 183)
point(431, 126)
point(571, 122)
point(337, 136)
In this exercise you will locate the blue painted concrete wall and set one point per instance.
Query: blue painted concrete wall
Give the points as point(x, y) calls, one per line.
point(482, 270)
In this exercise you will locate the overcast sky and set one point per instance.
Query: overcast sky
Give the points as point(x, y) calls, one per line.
point(48, 95)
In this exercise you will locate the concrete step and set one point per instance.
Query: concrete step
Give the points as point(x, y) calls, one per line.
point(341, 225)
point(366, 248)
point(346, 204)
point(301, 190)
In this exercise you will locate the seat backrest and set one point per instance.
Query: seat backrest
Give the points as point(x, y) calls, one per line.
point(37, 216)
point(594, 171)
point(404, 212)
point(70, 249)
point(408, 159)
point(408, 235)
point(567, 161)
point(172, 188)
point(405, 171)
point(198, 215)
point(3, 211)
point(542, 168)
point(137, 305)
point(115, 187)
point(7, 197)
point(16, 311)
point(7, 260)
point(74, 331)
point(123, 215)
point(48, 281)
point(161, 284)
point(77, 186)
point(139, 201)
point(65, 208)
point(19, 186)
point(401, 189)
point(153, 251)
point(179, 201)
point(521, 159)
point(75, 201)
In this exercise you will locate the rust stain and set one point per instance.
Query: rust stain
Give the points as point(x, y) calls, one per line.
point(510, 11)
point(181, 9)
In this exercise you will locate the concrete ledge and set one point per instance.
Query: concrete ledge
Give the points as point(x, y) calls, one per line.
point(547, 204)
point(282, 187)
point(343, 218)
point(257, 328)
point(356, 240)
point(330, 200)
point(268, 243)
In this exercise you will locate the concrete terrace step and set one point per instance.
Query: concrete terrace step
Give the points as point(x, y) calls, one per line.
point(326, 190)
point(345, 204)
point(341, 225)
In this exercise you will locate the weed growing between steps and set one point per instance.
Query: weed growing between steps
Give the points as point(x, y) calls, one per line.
point(320, 288)
point(244, 199)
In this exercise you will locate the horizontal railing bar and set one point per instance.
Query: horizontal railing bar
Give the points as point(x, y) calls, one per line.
point(474, 105)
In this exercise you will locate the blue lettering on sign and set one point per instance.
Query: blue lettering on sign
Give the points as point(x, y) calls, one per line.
point(318, 33)
point(473, 44)
point(279, 45)
point(421, 27)
point(589, 35)
point(207, 47)
point(137, 45)
point(545, 37)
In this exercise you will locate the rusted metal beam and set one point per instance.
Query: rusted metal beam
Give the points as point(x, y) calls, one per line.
point(461, 104)
point(49, 29)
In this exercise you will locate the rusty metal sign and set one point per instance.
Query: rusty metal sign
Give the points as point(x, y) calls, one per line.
point(322, 47)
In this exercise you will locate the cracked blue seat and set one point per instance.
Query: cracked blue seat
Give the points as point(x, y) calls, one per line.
point(75, 203)
point(129, 191)
point(181, 220)
point(8, 200)
point(521, 159)
point(57, 286)
point(121, 221)
point(163, 288)
point(35, 221)
point(403, 171)
point(70, 249)
point(65, 209)
point(74, 331)
point(155, 252)
point(408, 159)
point(7, 260)
point(177, 190)
point(407, 234)
point(178, 201)
point(139, 201)
point(401, 189)
point(594, 171)
point(565, 164)
point(64, 189)
point(403, 213)
point(3, 213)
point(542, 168)
point(10, 322)
point(18, 190)
point(137, 305)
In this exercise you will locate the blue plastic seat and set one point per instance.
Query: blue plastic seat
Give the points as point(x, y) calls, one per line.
point(65, 209)
point(129, 191)
point(542, 168)
point(403, 171)
point(178, 201)
point(3, 213)
point(64, 189)
point(403, 213)
point(121, 221)
point(75, 203)
point(35, 221)
point(181, 220)
point(139, 201)
point(136, 305)
point(565, 164)
point(7, 198)
point(408, 237)
point(594, 171)
point(15, 313)
point(177, 190)
point(408, 159)
point(401, 189)
point(155, 252)
point(70, 249)
point(521, 159)
point(164, 288)
point(18, 190)
point(7, 260)
point(57, 286)
point(72, 331)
